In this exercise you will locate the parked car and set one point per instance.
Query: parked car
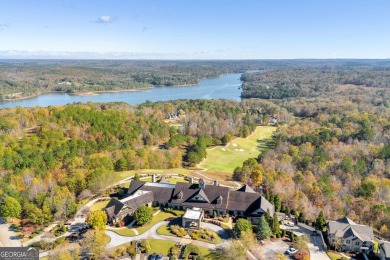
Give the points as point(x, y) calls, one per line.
point(314, 233)
point(290, 224)
point(291, 251)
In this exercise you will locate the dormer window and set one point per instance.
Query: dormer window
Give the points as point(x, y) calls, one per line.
point(219, 200)
point(202, 184)
point(180, 195)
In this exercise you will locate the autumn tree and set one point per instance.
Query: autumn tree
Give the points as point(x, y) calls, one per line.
point(248, 239)
point(97, 219)
point(234, 250)
point(94, 242)
point(10, 208)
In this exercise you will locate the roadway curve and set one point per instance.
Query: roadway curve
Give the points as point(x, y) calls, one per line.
point(117, 240)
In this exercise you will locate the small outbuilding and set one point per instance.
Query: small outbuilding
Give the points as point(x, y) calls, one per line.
point(192, 218)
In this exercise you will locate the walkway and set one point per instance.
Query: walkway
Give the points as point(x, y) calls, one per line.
point(117, 240)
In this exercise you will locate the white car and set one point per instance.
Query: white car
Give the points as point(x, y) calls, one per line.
point(290, 224)
point(291, 251)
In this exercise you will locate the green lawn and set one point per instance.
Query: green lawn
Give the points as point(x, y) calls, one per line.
point(126, 174)
point(333, 255)
point(159, 217)
point(164, 230)
point(99, 205)
point(226, 159)
point(123, 231)
point(161, 246)
point(204, 251)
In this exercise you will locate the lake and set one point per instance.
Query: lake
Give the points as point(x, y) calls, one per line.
point(224, 87)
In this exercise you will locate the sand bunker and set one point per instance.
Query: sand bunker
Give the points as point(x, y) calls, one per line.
point(223, 149)
point(234, 145)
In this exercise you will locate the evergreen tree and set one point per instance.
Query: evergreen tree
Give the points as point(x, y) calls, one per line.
point(278, 203)
point(276, 225)
point(268, 217)
point(320, 221)
point(263, 229)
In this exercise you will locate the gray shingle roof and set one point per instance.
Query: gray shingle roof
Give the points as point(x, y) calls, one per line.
point(245, 199)
point(210, 193)
point(246, 188)
point(113, 208)
point(248, 202)
point(384, 247)
point(345, 227)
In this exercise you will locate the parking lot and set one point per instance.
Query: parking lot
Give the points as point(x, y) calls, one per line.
point(270, 248)
point(316, 248)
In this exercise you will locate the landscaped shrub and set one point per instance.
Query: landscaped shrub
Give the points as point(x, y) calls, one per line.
point(178, 231)
point(190, 249)
point(194, 235)
point(174, 252)
point(120, 251)
point(145, 246)
point(131, 250)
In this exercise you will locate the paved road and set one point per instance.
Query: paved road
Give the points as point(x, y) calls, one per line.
point(117, 240)
point(8, 238)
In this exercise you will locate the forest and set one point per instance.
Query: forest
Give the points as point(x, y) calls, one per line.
point(302, 82)
point(331, 153)
point(51, 158)
point(25, 78)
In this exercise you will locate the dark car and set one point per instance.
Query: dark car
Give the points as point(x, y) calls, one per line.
point(314, 233)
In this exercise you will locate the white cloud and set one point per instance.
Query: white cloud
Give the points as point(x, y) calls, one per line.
point(106, 19)
point(4, 26)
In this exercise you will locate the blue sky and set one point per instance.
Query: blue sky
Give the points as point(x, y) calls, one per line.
point(198, 29)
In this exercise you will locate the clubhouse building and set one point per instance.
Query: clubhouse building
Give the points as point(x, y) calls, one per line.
point(211, 199)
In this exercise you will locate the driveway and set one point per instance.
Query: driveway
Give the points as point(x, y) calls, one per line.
point(316, 248)
point(117, 240)
point(8, 238)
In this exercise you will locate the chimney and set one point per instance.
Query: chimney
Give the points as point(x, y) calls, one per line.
point(153, 177)
point(191, 180)
point(261, 190)
point(215, 182)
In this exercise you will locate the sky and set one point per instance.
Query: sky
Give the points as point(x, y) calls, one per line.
point(195, 29)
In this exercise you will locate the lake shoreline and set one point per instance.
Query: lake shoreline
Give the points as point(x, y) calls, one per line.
point(226, 86)
point(89, 93)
